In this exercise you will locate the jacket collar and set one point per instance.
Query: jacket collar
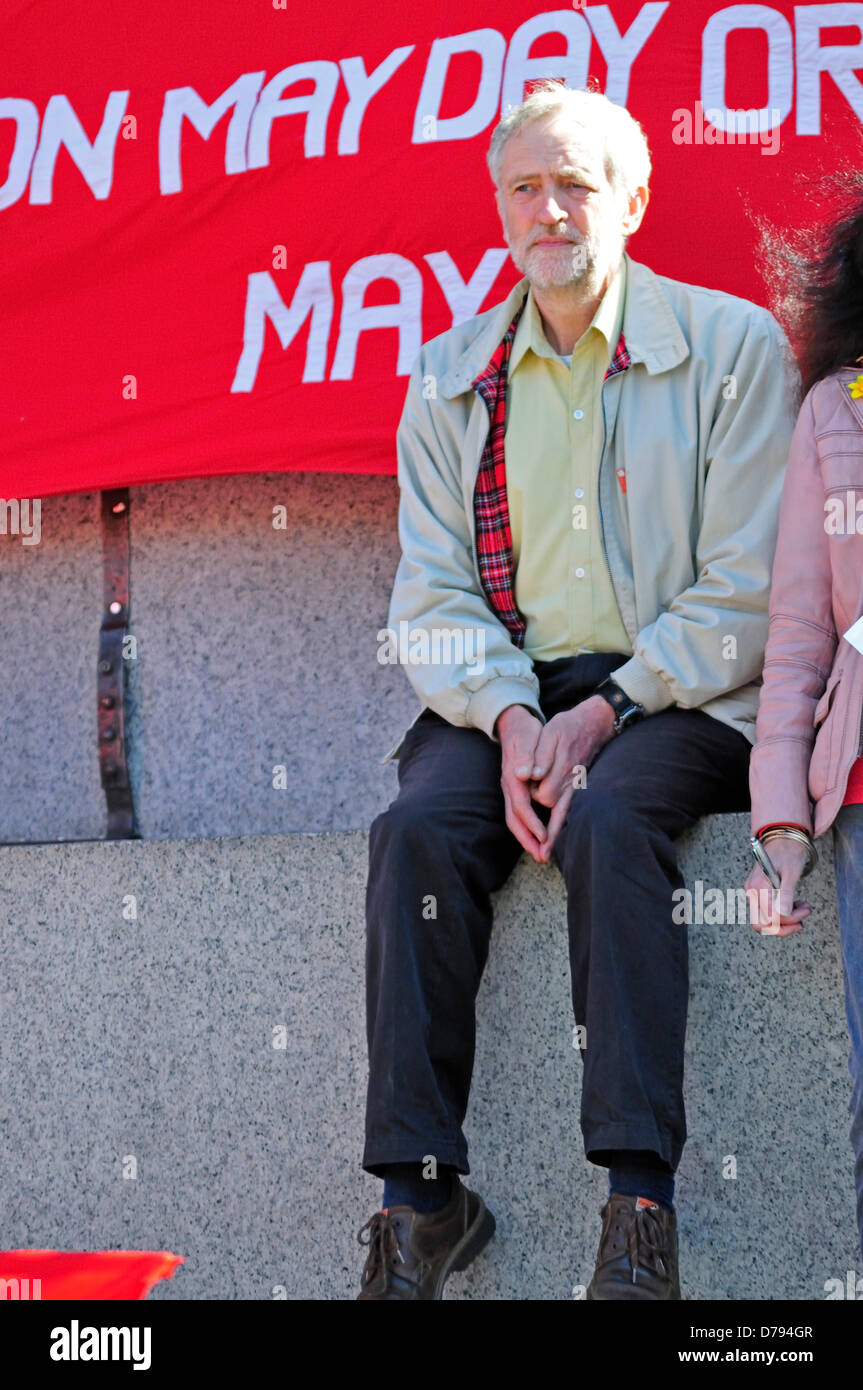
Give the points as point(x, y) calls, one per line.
point(653, 335)
point(843, 378)
point(608, 320)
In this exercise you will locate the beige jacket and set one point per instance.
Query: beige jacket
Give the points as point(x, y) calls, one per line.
point(809, 720)
point(700, 423)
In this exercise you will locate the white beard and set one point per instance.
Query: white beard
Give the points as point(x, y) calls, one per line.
point(553, 267)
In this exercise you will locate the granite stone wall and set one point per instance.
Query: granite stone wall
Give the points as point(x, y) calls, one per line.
point(256, 649)
point(182, 1057)
point(213, 1044)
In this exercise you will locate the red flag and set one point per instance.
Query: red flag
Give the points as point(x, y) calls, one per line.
point(75, 1274)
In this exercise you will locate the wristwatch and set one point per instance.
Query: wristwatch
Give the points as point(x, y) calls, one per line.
point(626, 711)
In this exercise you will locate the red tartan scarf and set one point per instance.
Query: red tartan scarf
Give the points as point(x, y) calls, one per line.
point(491, 512)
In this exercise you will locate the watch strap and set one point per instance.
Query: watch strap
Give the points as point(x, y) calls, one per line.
point(626, 710)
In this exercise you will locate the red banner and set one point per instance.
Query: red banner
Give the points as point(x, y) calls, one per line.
point(227, 228)
point(33, 1275)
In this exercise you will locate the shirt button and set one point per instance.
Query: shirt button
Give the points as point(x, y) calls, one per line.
point(579, 573)
point(578, 415)
point(579, 492)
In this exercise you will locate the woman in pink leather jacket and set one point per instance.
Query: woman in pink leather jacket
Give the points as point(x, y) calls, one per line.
point(806, 771)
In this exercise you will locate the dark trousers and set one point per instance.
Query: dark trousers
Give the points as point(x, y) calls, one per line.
point(442, 847)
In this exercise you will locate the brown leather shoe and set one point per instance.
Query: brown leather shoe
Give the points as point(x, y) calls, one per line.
point(411, 1254)
point(637, 1256)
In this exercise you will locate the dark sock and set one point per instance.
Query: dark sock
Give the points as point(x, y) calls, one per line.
point(405, 1186)
point(640, 1173)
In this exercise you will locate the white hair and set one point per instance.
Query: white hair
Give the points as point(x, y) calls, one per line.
point(625, 152)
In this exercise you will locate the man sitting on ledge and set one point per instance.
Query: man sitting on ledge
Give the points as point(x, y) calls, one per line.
point(590, 476)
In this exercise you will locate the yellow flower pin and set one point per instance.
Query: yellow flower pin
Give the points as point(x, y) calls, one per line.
point(856, 388)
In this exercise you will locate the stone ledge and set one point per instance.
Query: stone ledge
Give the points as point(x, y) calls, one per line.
point(153, 1039)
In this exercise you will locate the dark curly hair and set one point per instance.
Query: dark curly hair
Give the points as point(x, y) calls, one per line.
point(814, 275)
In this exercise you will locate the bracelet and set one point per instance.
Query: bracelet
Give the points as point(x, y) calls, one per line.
point(792, 833)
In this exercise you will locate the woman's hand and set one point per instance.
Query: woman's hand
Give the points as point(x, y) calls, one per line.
point(789, 857)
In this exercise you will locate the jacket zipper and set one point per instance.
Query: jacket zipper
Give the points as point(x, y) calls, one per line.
point(599, 502)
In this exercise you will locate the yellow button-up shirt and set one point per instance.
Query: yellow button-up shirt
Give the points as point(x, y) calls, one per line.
point(553, 443)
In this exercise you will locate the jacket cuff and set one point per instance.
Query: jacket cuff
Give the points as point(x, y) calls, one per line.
point(778, 784)
point(495, 696)
point(643, 685)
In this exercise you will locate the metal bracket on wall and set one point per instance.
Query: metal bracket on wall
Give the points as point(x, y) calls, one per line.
point(111, 686)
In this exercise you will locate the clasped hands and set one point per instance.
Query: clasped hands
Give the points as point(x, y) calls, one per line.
point(537, 766)
point(538, 762)
point(776, 912)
